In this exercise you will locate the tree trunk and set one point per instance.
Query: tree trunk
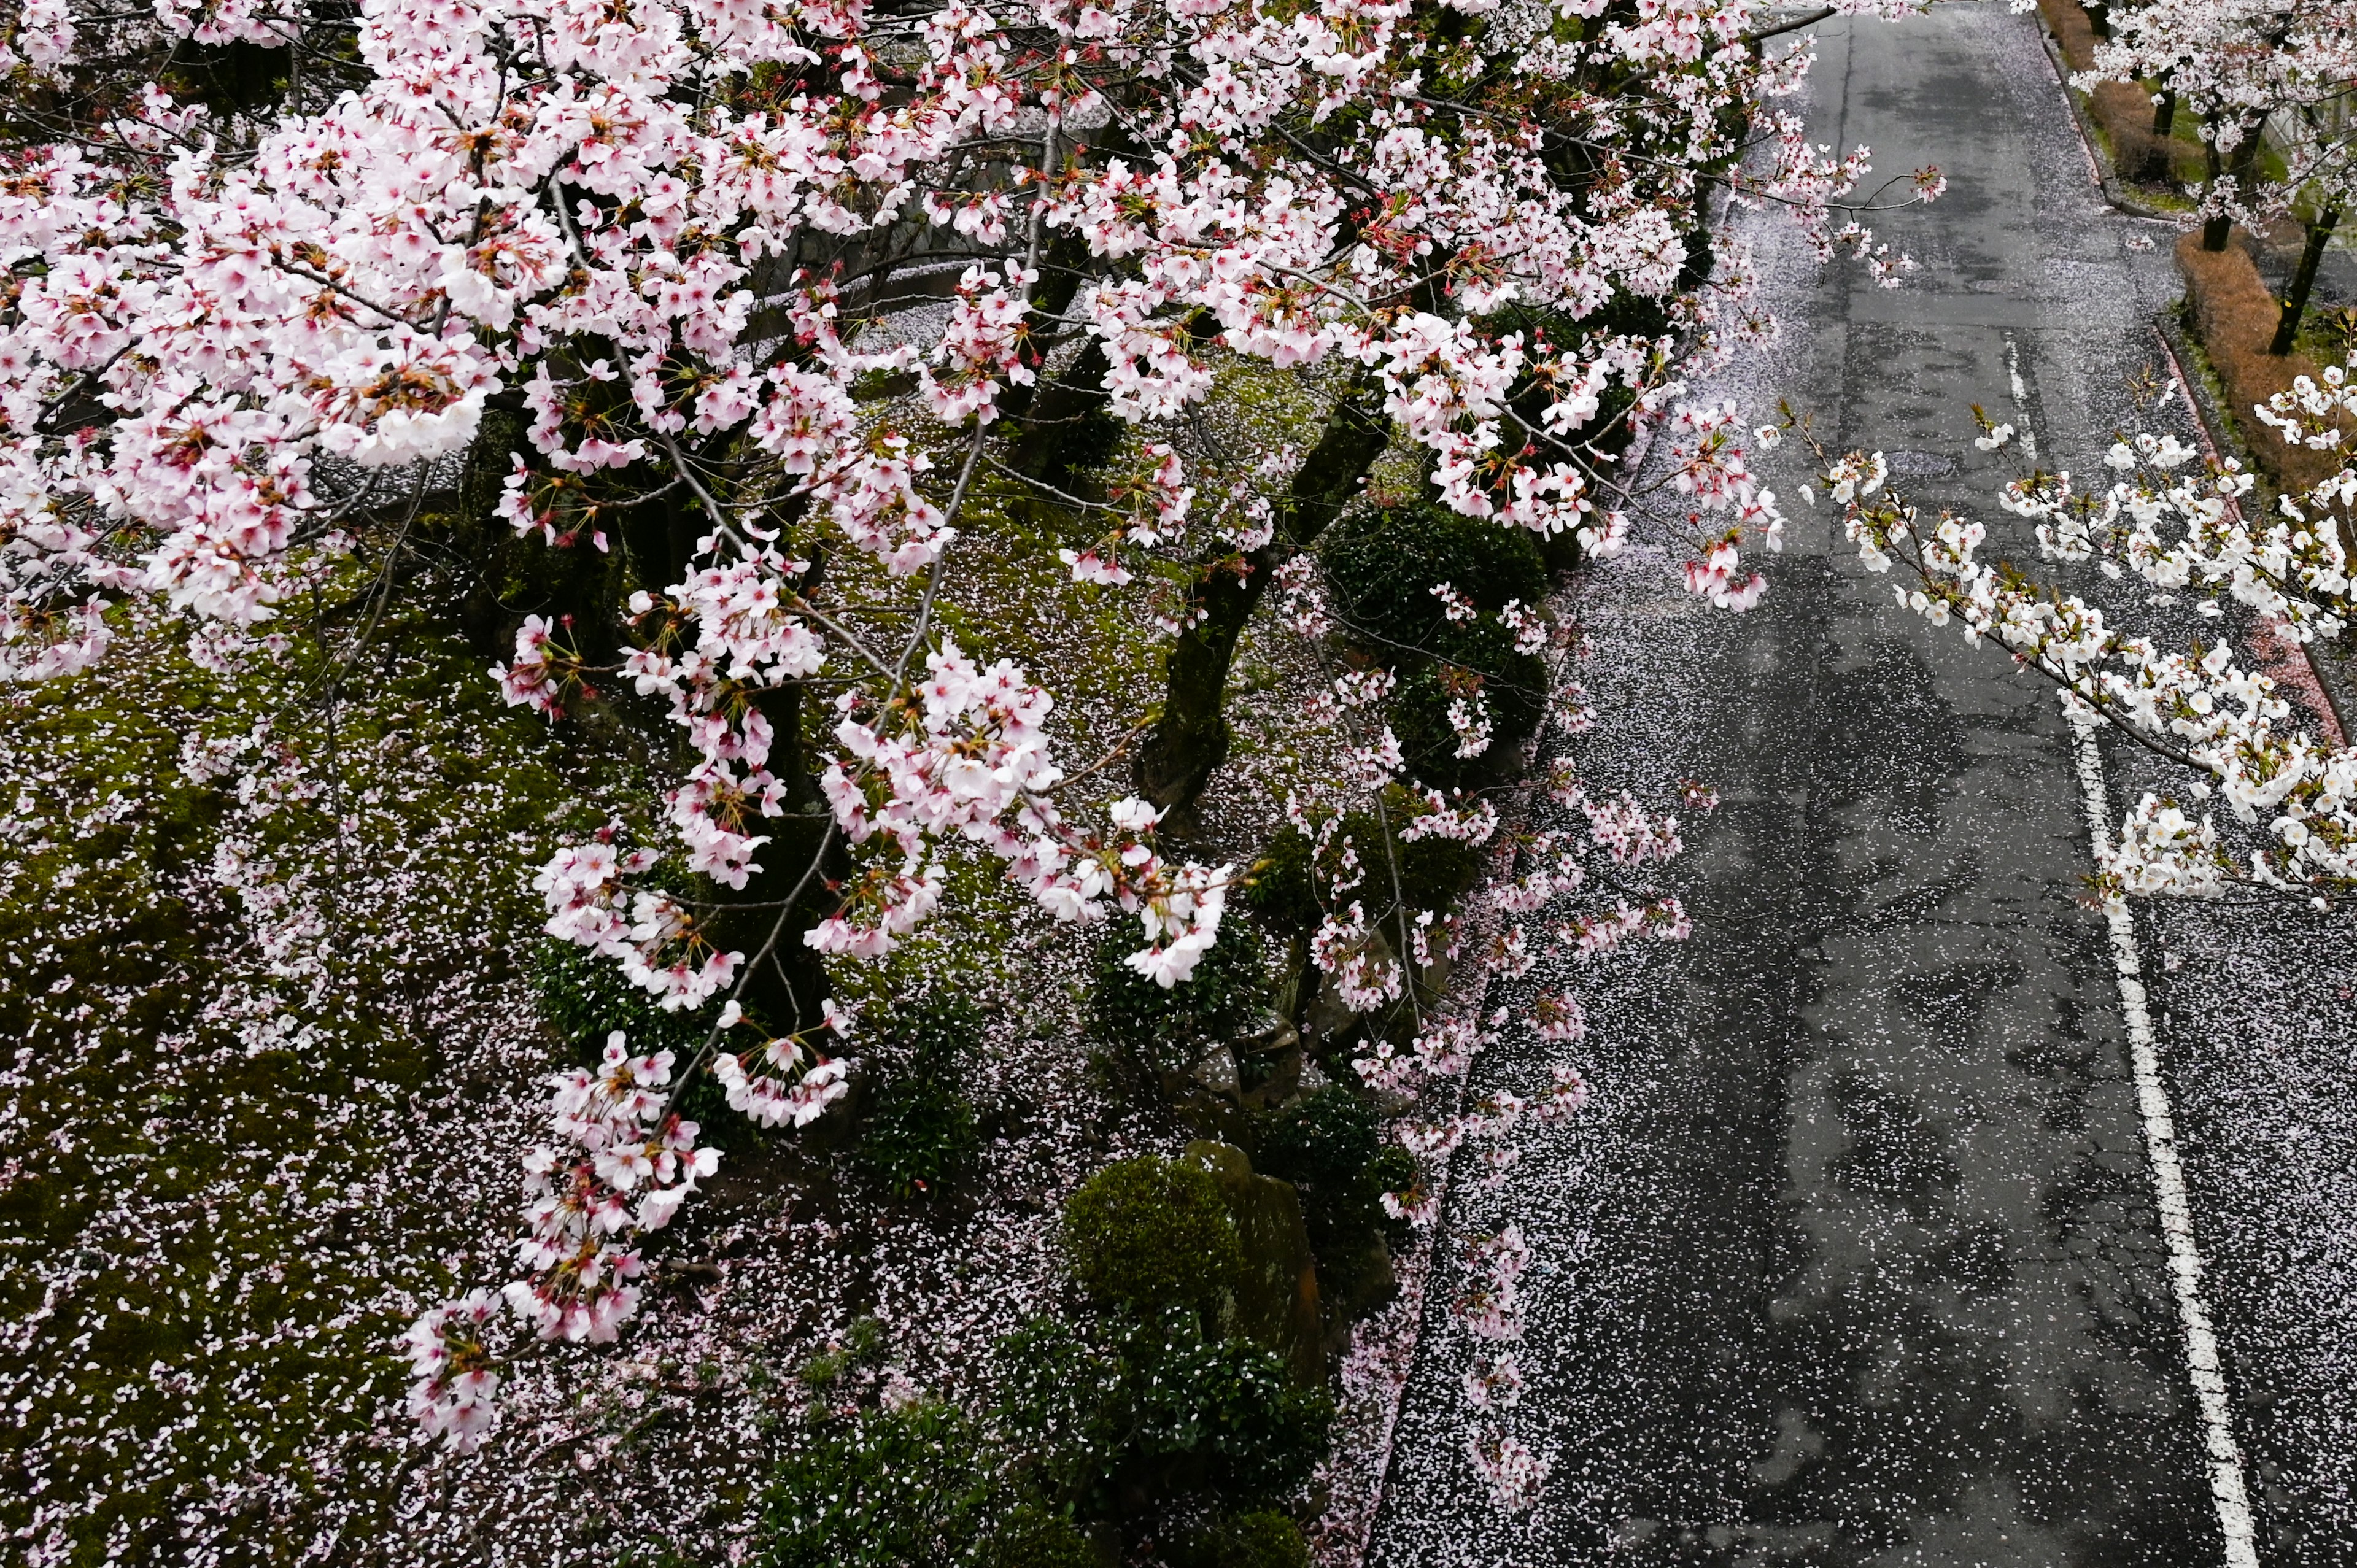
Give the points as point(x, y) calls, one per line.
point(2215, 231)
point(1190, 739)
point(2164, 111)
point(1070, 426)
point(786, 989)
point(2295, 303)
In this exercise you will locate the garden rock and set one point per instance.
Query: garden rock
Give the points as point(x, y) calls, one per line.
point(1276, 1302)
point(1217, 1070)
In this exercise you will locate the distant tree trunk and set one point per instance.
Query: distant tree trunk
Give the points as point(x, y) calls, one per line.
point(2164, 111)
point(1189, 740)
point(2215, 231)
point(2312, 256)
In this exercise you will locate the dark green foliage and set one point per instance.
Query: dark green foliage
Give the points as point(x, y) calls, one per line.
point(930, 1033)
point(1392, 1170)
point(585, 997)
point(1383, 565)
point(1031, 1537)
point(1434, 871)
point(1149, 1233)
point(1261, 1539)
point(1514, 688)
point(884, 1490)
point(1331, 1149)
point(1164, 1029)
point(1148, 1410)
point(862, 1345)
point(1229, 1415)
point(920, 1136)
point(1282, 893)
point(920, 1133)
point(1319, 1144)
point(1431, 872)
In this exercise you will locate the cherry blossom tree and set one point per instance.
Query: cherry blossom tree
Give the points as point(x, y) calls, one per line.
point(2258, 73)
point(729, 310)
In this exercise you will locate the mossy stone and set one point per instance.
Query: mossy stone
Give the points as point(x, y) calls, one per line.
point(1276, 1301)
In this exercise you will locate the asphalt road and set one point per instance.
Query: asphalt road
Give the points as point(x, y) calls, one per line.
point(1855, 1259)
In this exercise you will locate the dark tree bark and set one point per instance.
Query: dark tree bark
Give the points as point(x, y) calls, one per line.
point(787, 986)
point(1189, 740)
point(2215, 231)
point(2312, 256)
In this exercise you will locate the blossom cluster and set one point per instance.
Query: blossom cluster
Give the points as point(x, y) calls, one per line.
point(2179, 524)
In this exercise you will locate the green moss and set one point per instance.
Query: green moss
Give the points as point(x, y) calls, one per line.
point(259, 1127)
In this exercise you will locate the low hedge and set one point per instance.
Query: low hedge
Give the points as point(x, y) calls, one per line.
point(2234, 313)
point(2122, 108)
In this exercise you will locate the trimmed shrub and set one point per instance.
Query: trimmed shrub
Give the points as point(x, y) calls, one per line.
point(930, 1033)
point(1227, 1416)
point(1149, 1234)
point(1031, 1537)
point(1263, 1539)
point(920, 1132)
point(1383, 565)
point(585, 997)
point(1433, 872)
point(1166, 1028)
point(1282, 893)
point(1321, 1145)
point(884, 1490)
point(1146, 1410)
point(1331, 1148)
point(1512, 686)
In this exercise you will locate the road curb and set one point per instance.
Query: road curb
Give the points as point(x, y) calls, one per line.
point(2106, 180)
point(2219, 436)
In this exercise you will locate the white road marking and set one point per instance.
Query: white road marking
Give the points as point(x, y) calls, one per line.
point(2020, 399)
point(2168, 1190)
point(2159, 1131)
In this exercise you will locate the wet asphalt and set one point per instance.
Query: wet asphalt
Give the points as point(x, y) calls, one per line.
point(1854, 1260)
